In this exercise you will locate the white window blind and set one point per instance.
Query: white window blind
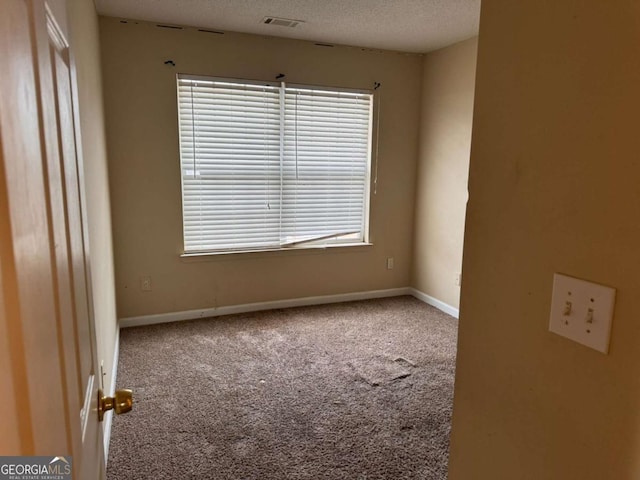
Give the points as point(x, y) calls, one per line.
point(272, 166)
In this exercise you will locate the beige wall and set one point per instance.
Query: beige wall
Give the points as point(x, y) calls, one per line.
point(141, 114)
point(553, 187)
point(443, 169)
point(84, 30)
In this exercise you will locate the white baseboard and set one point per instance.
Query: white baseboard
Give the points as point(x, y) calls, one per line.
point(254, 307)
point(434, 302)
point(287, 303)
point(108, 419)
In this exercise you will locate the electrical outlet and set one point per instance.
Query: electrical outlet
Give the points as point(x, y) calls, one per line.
point(145, 283)
point(458, 279)
point(390, 263)
point(582, 311)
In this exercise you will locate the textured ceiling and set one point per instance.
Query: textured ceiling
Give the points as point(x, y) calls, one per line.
point(402, 25)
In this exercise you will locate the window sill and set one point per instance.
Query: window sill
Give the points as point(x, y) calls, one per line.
point(308, 249)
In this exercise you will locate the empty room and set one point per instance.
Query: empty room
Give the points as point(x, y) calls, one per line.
point(265, 181)
point(319, 240)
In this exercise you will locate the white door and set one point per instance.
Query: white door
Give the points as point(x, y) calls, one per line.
point(48, 365)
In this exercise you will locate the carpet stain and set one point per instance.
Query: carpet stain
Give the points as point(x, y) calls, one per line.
point(378, 370)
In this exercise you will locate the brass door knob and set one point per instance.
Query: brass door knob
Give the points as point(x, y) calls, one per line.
point(121, 403)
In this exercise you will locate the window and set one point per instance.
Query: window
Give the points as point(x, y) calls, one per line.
point(270, 166)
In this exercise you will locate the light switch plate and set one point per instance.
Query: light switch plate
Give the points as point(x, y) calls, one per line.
point(582, 311)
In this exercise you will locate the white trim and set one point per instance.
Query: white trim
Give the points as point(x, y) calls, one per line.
point(111, 392)
point(434, 302)
point(86, 409)
point(254, 307)
point(195, 254)
point(54, 30)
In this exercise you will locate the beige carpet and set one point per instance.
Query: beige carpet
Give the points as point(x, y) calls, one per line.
point(359, 390)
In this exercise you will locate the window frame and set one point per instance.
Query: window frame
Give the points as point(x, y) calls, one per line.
point(295, 246)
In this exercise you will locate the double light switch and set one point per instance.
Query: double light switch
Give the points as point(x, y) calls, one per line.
point(582, 311)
